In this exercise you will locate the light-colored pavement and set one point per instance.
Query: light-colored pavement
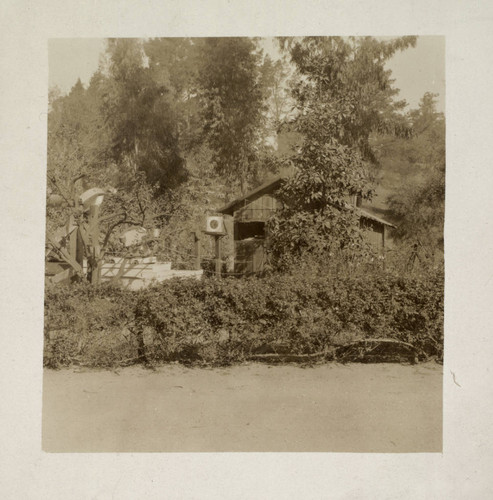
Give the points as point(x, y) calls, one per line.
point(254, 407)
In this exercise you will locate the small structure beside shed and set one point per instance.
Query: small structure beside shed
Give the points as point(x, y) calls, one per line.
point(251, 212)
point(74, 250)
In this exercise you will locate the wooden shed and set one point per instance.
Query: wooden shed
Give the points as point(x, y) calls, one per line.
point(250, 214)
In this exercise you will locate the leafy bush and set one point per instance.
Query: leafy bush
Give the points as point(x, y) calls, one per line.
point(316, 217)
point(88, 325)
point(218, 322)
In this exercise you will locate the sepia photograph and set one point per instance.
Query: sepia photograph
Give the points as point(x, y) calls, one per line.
point(246, 249)
point(244, 245)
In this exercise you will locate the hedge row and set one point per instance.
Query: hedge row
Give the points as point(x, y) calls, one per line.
point(219, 322)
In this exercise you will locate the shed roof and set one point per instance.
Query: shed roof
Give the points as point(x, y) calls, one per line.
point(272, 185)
point(368, 215)
point(266, 187)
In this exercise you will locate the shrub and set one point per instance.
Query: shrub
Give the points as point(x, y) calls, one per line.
point(218, 322)
point(88, 325)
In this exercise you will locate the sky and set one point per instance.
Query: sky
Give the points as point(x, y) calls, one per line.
point(421, 69)
point(415, 70)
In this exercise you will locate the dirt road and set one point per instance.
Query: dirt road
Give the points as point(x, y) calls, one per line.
point(254, 407)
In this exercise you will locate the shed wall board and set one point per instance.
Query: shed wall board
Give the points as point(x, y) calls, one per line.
point(258, 209)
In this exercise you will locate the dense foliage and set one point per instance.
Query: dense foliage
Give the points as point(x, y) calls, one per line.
point(344, 91)
point(218, 322)
point(234, 105)
point(418, 205)
point(173, 128)
point(170, 128)
point(318, 216)
point(141, 116)
point(343, 94)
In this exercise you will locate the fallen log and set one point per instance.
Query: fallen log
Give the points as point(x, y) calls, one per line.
point(377, 350)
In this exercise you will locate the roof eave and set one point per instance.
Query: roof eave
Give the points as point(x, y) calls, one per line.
point(368, 215)
point(227, 209)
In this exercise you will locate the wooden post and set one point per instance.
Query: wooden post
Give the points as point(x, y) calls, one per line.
point(96, 250)
point(196, 248)
point(383, 244)
point(217, 239)
point(72, 239)
point(79, 248)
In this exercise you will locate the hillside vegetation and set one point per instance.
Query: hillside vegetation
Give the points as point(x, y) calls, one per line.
point(174, 128)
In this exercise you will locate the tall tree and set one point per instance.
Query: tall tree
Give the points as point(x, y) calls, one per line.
point(141, 116)
point(276, 75)
point(231, 83)
point(343, 93)
point(345, 86)
point(174, 63)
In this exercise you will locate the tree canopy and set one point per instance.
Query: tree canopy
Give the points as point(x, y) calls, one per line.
point(344, 90)
point(230, 77)
point(343, 95)
point(141, 117)
point(177, 126)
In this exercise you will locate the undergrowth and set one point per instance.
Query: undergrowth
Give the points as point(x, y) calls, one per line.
point(218, 322)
